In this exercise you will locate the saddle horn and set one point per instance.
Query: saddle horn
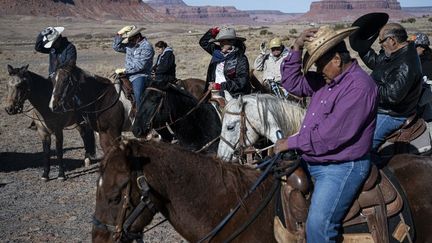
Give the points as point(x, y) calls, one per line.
point(369, 27)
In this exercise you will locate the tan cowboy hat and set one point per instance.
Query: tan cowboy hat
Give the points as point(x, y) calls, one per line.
point(131, 33)
point(227, 33)
point(324, 40)
point(53, 36)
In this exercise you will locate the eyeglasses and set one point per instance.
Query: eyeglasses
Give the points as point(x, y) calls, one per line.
point(383, 40)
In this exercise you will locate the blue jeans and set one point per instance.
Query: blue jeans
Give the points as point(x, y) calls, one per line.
point(335, 188)
point(139, 85)
point(385, 125)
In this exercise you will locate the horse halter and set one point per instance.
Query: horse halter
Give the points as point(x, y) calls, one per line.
point(121, 229)
point(240, 146)
point(18, 103)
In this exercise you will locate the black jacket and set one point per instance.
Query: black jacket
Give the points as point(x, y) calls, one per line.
point(165, 67)
point(426, 62)
point(65, 54)
point(236, 68)
point(398, 78)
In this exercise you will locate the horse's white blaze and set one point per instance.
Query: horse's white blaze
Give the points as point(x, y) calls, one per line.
point(51, 103)
point(100, 182)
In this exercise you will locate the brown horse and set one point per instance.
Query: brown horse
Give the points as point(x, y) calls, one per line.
point(101, 102)
point(194, 86)
point(195, 192)
point(26, 85)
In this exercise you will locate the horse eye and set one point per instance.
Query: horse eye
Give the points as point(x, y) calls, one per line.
point(115, 200)
point(230, 127)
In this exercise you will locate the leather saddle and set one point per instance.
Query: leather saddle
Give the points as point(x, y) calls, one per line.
point(413, 127)
point(378, 200)
point(127, 88)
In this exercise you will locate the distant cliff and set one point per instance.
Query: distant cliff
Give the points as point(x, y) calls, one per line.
point(90, 9)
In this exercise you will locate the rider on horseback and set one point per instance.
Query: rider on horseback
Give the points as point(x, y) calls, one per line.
point(269, 64)
point(336, 134)
point(165, 68)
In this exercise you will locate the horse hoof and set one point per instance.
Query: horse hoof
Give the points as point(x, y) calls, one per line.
point(44, 178)
point(61, 178)
point(87, 162)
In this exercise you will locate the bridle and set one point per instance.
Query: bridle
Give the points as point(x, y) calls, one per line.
point(18, 104)
point(121, 229)
point(240, 146)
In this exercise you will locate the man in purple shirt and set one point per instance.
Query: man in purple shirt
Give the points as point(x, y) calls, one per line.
point(337, 131)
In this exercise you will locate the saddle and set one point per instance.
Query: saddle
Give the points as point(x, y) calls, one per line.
point(413, 127)
point(127, 88)
point(378, 200)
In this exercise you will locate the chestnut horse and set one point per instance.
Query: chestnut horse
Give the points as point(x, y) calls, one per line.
point(195, 192)
point(26, 85)
point(102, 103)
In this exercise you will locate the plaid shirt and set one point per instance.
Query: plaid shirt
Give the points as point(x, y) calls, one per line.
point(139, 58)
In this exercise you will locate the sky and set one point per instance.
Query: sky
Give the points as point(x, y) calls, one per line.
point(287, 6)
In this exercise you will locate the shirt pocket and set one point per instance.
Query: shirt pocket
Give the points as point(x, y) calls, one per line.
point(327, 107)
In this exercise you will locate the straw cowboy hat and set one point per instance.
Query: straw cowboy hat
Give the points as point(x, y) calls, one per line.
point(131, 33)
point(276, 42)
point(369, 27)
point(53, 34)
point(324, 40)
point(227, 33)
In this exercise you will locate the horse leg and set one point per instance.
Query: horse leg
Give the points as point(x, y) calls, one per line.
point(46, 146)
point(59, 153)
point(87, 135)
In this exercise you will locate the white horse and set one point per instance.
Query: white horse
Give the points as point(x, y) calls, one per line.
point(247, 118)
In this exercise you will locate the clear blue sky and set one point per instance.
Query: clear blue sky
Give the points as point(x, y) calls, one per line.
point(287, 6)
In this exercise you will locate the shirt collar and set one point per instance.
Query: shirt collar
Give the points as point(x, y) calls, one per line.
point(341, 76)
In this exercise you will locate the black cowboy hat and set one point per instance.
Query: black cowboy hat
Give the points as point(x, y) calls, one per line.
point(369, 26)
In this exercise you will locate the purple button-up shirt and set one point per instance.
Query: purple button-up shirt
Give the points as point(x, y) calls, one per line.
point(340, 121)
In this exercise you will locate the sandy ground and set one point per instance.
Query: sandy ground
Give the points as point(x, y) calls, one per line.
point(53, 211)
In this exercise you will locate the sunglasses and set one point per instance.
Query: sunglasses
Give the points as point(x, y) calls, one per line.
point(383, 40)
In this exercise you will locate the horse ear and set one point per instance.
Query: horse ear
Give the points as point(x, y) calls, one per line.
point(10, 69)
point(25, 68)
point(240, 101)
point(228, 96)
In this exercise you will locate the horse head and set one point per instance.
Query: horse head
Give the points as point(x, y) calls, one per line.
point(18, 89)
point(121, 190)
point(65, 87)
point(237, 131)
point(152, 100)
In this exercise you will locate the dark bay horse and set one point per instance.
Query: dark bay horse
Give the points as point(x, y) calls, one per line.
point(26, 85)
point(194, 124)
point(194, 86)
point(195, 192)
point(101, 102)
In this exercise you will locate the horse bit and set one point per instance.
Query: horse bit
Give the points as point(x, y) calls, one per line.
point(121, 229)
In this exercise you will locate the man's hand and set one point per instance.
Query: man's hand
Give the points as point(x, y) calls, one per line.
point(126, 29)
point(120, 71)
point(306, 35)
point(281, 146)
point(263, 47)
point(47, 31)
point(214, 31)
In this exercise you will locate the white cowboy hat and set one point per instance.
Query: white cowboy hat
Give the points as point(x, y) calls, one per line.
point(131, 33)
point(53, 36)
point(324, 40)
point(227, 33)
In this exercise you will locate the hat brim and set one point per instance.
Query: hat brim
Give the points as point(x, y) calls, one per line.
point(50, 43)
point(310, 58)
point(369, 27)
point(218, 40)
point(131, 34)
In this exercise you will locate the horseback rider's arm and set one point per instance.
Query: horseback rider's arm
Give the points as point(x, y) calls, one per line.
point(142, 57)
point(240, 84)
point(165, 63)
point(117, 45)
point(259, 61)
point(205, 44)
point(70, 56)
point(39, 45)
point(343, 123)
point(293, 79)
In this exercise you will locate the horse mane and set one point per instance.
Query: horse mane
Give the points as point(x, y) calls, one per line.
point(165, 86)
point(80, 74)
point(287, 114)
point(176, 160)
